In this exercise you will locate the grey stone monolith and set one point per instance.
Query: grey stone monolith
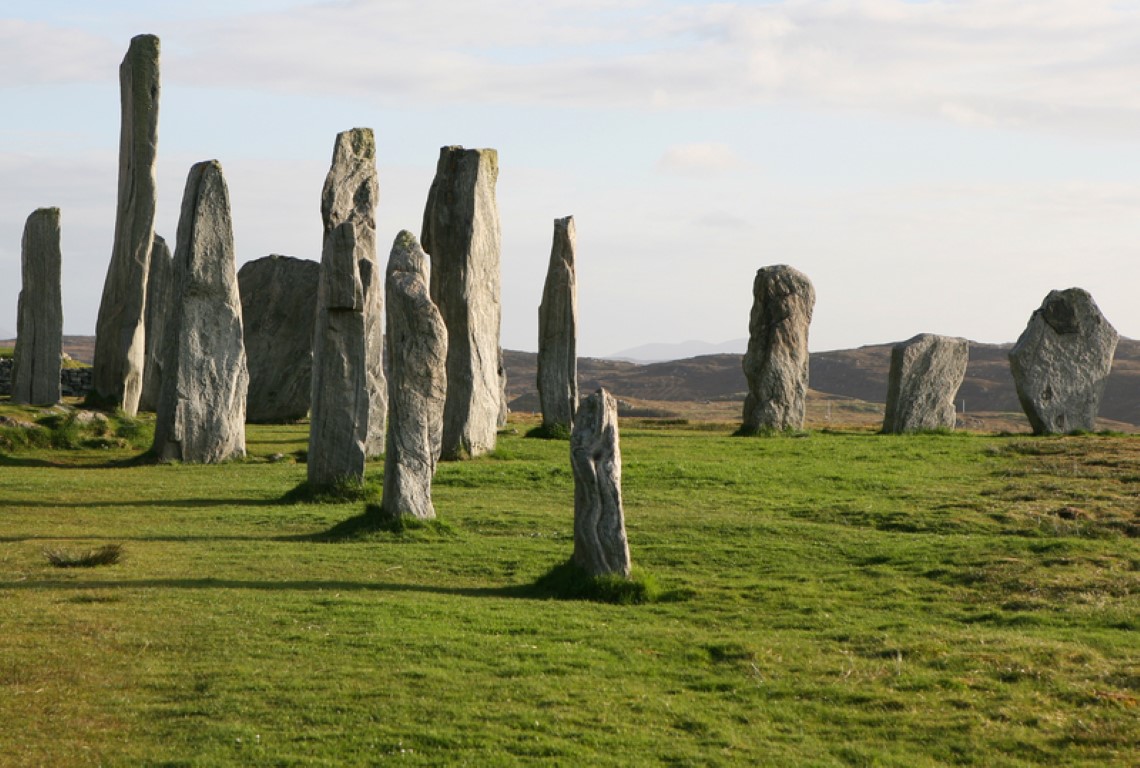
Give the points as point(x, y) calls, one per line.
point(558, 331)
point(925, 374)
point(278, 307)
point(39, 314)
point(417, 382)
point(348, 405)
point(159, 297)
point(338, 420)
point(600, 543)
point(776, 363)
point(120, 331)
point(201, 412)
point(349, 196)
point(1061, 362)
point(461, 234)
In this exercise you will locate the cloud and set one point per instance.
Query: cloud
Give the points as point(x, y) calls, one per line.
point(1054, 64)
point(1058, 65)
point(698, 159)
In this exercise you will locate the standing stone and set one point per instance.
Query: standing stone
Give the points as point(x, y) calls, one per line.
point(776, 363)
point(120, 343)
point(926, 372)
point(346, 360)
point(461, 233)
point(504, 405)
point(279, 306)
point(557, 331)
point(159, 297)
point(600, 544)
point(349, 197)
point(417, 382)
point(201, 413)
point(39, 318)
point(1061, 361)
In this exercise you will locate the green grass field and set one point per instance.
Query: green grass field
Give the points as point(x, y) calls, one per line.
point(829, 599)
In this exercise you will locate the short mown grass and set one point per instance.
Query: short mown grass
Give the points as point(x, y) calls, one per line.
point(821, 599)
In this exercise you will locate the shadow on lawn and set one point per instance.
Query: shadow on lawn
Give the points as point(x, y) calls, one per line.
point(7, 460)
point(164, 503)
point(514, 590)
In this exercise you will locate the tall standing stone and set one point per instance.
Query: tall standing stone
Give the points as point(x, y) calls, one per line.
point(201, 413)
point(279, 306)
point(417, 382)
point(558, 330)
point(461, 233)
point(776, 363)
point(159, 297)
point(347, 354)
point(39, 319)
point(1061, 362)
point(600, 543)
point(926, 372)
point(120, 342)
point(349, 197)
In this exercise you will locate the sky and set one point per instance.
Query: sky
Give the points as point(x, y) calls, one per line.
point(934, 166)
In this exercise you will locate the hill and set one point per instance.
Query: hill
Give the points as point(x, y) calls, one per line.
point(850, 373)
point(859, 374)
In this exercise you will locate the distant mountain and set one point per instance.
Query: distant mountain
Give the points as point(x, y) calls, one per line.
point(656, 353)
point(847, 373)
point(857, 373)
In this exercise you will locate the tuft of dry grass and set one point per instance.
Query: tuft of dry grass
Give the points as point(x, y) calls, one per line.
point(108, 554)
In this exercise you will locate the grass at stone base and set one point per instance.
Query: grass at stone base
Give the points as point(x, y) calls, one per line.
point(832, 599)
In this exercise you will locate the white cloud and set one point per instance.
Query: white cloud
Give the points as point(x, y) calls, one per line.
point(1056, 64)
point(1048, 64)
point(698, 159)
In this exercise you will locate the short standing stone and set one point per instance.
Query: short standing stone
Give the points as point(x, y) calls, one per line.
point(600, 544)
point(417, 382)
point(776, 363)
point(39, 320)
point(278, 306)
point(159, 296)
point(1061, 361)
point(926, 372)
point(557, 331)
point(201, 413)
point(120, 343)
point(461, 233)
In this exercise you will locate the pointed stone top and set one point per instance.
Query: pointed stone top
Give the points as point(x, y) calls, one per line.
point(408, 256)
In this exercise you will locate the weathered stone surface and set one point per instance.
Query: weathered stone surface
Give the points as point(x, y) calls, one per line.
point(120, 342)
point(278, 306)
point(349, 196)
point(159, 297)
point(417, 382)
point(201, 413)
point(346, 418)
point(461, 233)
point(926, 372)
point(600, 544)
point(558, 331)
point(338, 421)
point(776, 363)
point(39, 320)
point(1061, 361)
